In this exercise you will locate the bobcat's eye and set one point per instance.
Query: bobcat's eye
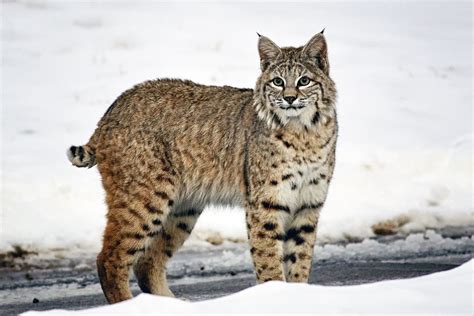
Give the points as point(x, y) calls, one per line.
point(304, 81)
point(278, 82)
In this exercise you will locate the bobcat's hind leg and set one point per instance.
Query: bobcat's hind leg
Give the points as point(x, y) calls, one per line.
point(150, 268)
point(139, 197)
point(299, 244)
point(129, 228)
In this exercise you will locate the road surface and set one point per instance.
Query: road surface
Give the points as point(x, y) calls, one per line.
point(213, 272)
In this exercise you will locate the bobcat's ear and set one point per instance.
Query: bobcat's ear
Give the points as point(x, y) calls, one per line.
point(317, 50)
point(268, 51)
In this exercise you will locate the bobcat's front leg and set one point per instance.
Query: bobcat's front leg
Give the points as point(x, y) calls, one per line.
point(265, 223)
point(299, 243)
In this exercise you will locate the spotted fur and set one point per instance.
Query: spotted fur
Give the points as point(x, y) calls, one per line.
point(168, 148)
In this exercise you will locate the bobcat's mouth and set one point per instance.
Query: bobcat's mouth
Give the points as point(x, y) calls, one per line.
point(292, 107)
point(292, 110)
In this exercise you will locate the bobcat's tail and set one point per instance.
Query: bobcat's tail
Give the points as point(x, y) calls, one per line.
point(81, 156)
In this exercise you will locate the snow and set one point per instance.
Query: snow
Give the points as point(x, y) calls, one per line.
point(414, 246)
point(403, 70)
point(448, 292)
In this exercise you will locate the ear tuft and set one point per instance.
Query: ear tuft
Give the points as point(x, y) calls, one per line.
point(322, 32)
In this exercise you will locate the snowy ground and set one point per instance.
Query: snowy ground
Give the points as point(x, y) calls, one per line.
point(403, 70)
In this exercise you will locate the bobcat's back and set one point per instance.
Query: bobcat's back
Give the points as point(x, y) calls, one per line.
point(176, 104)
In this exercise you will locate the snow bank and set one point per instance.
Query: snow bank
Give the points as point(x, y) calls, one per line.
point(405, 104)
point(448, 292)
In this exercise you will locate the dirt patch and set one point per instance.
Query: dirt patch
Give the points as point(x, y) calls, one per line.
point(391, 226)
point(13, 258)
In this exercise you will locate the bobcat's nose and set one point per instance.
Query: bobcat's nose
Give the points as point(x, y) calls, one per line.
point(290, 100)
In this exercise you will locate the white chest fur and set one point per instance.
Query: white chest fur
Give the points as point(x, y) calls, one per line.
point(304, 183)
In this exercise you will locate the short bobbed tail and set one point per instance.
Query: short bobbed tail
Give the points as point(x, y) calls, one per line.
point(81, 156)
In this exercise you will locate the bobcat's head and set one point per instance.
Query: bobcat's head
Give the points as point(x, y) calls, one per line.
point(294, 87)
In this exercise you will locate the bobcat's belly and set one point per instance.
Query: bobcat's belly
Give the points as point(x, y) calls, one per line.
point(214, 191)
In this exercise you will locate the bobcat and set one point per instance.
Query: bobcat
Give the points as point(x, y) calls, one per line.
point(167, 148)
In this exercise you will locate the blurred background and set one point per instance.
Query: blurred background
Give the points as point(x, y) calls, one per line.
point(403, 72)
